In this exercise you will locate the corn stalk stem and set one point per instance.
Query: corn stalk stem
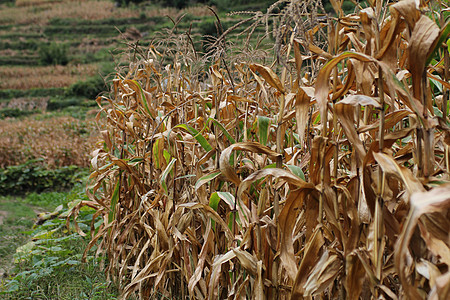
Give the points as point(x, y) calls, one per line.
point(446, 91)
point(446, 70)
point(279, 164)
point(335, 158)
point(381, 177)
point(427, 136)
point(419, 135)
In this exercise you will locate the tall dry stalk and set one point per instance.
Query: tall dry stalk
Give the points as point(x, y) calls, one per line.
point(191, 209)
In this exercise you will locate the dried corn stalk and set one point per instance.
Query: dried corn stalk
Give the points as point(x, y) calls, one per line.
point(281, 185)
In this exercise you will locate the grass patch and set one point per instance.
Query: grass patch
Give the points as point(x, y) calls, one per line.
point(15, 219)
point(36, 176)
point(47, 258)
point(18, 60)
point(7, 94)
point(28, 44)
point(16, 113)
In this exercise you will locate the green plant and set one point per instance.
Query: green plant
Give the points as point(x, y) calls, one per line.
point(34, 176)
point(15, 112)
point(89, 88)
point(7, 94)
point(60, 103)
point(43, 264)
point(53, 54)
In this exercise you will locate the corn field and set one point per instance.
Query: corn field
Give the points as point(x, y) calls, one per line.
point(320, 172)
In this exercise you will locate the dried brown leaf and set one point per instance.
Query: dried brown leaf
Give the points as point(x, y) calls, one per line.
point(269, 76)
point(301, 112)
point(422, 38)
point(287, 220)
point(323, 274)
point(310, 257)
point(253, 147)
point(390, 166)
point(422, 202)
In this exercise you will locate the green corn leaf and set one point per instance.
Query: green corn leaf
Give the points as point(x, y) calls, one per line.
point(165, 173)
point(214, 204)
point(223, 129)
point(114, 199)
point(214, 201)
point(143, 98)
point(166, 155)
point(207, 178)
point(263, 129)
point(274, 165)
point(296, 171)
point(156, 153)
point(196, 135)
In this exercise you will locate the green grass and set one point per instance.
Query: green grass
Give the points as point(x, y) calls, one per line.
point(48, 200)
point(18, 60)
point(16, 218)
point(16, 113)
point(47, 258)
point(38, 92)
point(58, 273)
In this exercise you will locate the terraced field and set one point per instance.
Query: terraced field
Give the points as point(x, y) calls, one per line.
point(59, 50)
point(56, 57)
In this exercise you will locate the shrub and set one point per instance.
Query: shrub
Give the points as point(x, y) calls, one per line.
point(209, 27)
point(15, 113)
point(53, 54)
point(59, 103)
point(89, 88)
point(34, 176)
point(9, 2)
